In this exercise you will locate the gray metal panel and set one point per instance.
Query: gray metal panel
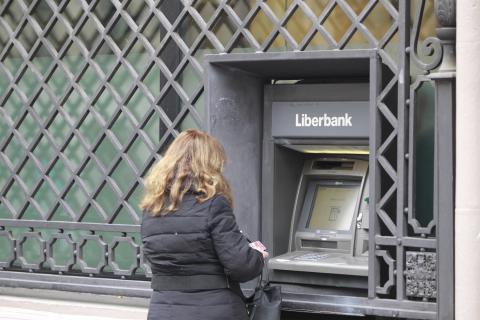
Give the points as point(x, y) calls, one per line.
point(235, 118)
point(402, 148)
point(374, 174)
point(288, 167)
point(327, 280)
point(321, 92)
point(298, 298)
point(445, 202)
point(244, 61)
point(268, 174)
point(312, 64)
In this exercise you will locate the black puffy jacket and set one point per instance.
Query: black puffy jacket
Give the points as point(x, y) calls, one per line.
point(198, 239)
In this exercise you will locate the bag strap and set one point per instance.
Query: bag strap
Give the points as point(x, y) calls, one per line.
point(259, 286)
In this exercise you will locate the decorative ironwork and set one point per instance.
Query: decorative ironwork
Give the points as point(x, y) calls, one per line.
point(103, 248)
point(390, 262)
point(91, 92)
point(9, 247)
point(431, 47)
point(421, 274)
point(41, 252)
point(426, 229)
point(136, 255)
point(50, 252)
point(76, 250)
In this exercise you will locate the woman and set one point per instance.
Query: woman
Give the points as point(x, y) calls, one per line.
point(190, 238)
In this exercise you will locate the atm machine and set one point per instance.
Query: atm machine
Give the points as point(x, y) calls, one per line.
point(328, 241)
point(317, 170)
point(296, 127)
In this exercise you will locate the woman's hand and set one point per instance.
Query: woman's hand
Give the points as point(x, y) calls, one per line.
point(264, 254)
point(257, 245)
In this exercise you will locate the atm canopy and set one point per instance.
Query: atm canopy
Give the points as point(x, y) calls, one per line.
point(235, 102)
point(298, 65)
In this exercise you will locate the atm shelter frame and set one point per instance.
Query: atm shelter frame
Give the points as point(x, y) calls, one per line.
point(236, 115)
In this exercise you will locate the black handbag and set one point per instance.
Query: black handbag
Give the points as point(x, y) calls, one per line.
point(265, 302)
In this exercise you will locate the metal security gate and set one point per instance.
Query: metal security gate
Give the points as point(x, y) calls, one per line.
point(91, 92)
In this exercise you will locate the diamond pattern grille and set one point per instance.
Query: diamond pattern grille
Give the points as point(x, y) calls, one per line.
point(75, 77)
point(91, 92)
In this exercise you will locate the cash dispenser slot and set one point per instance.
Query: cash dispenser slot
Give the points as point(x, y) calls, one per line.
point(323, 244)
point(332, 165)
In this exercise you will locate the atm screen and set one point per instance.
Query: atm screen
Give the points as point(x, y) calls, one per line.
point(333, 207)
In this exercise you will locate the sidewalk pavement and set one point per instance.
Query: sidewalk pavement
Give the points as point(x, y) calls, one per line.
point(23, 308)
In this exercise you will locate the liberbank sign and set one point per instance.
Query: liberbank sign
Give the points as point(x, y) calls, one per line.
point(305, 120)
point(318, 119)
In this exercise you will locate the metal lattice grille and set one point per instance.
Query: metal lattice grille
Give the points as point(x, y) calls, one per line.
point(91, 92)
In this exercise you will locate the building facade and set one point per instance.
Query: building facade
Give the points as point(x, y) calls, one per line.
point(92, 92)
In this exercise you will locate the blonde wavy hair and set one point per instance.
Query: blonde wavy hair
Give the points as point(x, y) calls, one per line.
point(195, 161)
